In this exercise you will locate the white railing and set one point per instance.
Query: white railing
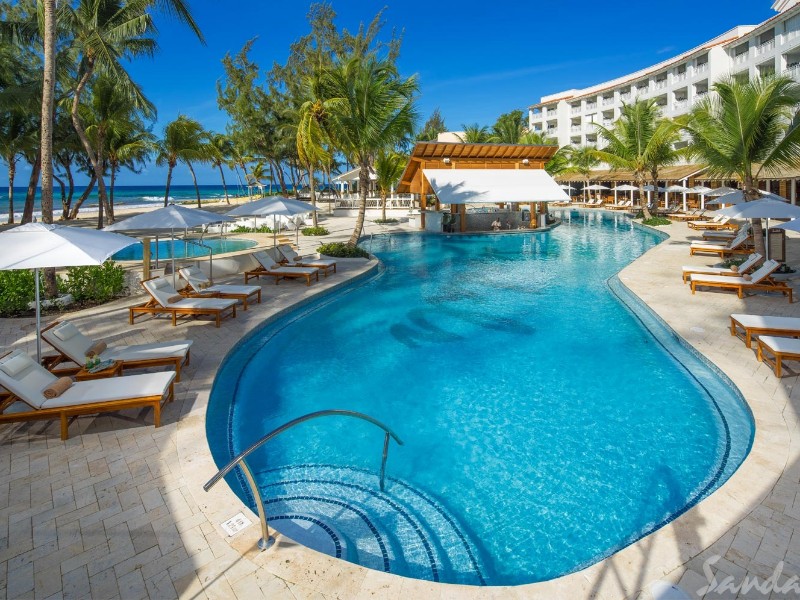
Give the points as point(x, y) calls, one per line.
point(699, 96)
point(660, 84)
point(625, 97)
point(608, 122)
point(765, 47)
point(740, 58)
point(702, 68)
point(680, 104)
point(552, 130)
point(591, 105)
point(793, 71)
point(608, 101)
point(679, 76)
point(575, 110)
point(576, 129)
point(537, 116)
point(790, 35)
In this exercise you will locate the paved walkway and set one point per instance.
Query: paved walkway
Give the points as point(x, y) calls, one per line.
point(118, 510)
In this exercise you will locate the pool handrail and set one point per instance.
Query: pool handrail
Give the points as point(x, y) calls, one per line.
point(266, 540)
point(210, 255)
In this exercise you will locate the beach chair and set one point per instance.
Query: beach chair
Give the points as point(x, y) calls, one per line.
point(720, 236)
point(198, 286)
point(290, 256)
point(269, 265)
point(28, 381)
point(164, 299)
point(718, 222)
point(74, 347)
point(773, 350)
point(735, 246)
point(742, 269)
point(759, 281)
point(751, 325)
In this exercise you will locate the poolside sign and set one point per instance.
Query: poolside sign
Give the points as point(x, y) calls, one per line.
point(235, 524)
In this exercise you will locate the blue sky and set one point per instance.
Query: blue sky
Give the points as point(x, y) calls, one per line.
point(475, 60)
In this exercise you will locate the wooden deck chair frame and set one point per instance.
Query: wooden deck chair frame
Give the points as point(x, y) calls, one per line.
point(747, 333)
point(154, 307)
point(767, 285)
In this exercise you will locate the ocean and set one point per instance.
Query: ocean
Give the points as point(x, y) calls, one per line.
point(127, 196)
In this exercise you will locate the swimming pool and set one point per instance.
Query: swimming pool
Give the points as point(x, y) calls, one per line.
point(544, 426)
point(184, 249)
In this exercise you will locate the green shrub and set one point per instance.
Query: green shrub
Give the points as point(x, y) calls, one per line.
point(386, 221)
point(654, 221)
point(16, 290)
point(319, 230)
point(241, 229)
point(95, 284)
point(342, 250)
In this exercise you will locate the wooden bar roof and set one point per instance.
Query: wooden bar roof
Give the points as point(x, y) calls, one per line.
point(493, 154)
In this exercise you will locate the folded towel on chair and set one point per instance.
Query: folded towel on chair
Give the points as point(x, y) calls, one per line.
point(58, 387)
point(96, 349)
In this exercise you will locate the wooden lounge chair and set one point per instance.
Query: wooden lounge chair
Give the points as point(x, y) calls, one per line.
point(269, 265)
point(718, 222)
point(751, 325)
point(760, 281)
point(743, 268)
point(734, 246)
point(72, 346)
point(27, 380)
point(164, 300)
point(199, 286)
point(780, 348)
point(290, 256)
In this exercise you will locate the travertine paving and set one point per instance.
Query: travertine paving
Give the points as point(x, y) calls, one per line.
point(118, 510)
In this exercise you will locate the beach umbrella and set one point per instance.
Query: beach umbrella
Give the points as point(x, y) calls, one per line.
point(596, 187)
point(702, 190)
point(721, 191)
point(170, 218)
point(626, 187)
point(737, 197)
point(41, 246)
point(678, 189)
point(772, 207)
point(277, 207)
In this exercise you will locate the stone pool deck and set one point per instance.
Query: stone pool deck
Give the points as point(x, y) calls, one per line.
point(118, 510)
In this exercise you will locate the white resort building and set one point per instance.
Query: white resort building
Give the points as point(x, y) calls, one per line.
point(746, 51)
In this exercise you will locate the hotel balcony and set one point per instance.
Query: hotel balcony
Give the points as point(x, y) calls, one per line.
point(625, 97)
point(680, 105)
point(698, 97)
point(793, 71)
point(660, 84)
point(608, 101)
point(537, 116)
point(740, 58)
point(765, 47)
point(575, 110)
point(698, 69)
point(576, 129)
point(591, 105)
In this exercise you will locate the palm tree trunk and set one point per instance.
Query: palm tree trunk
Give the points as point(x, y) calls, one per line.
point(383, 205)
point(169, 182)
point(281, 178)
point(30, 196)
point(63, 187)
point(48, 91)
point(642, 199)
point(111, 190)
point(224, 187)
point(194, 180)
point(65, 205)
point(83, 197)
point(363, 183)
point(751, 193)
point(312, 187)
point(12, 171)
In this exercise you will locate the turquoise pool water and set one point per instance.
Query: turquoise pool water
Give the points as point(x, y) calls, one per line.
point(545, 427)
point(184, 249)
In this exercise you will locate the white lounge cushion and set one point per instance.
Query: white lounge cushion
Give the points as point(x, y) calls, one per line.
point(762, 273)
point(177, 349)
point(28, 383)
point(199, 283)
point(781, 344)
point(74, 346)
point(227, 288)
point(65, 331)
point(15, 364)
point(113, 388)
point(767, 322)
point(297, 270)
point(213, 303)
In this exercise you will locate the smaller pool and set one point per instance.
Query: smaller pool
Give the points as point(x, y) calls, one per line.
point(184, 249)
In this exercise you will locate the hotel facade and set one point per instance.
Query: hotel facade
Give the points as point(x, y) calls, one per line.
point(745, 52)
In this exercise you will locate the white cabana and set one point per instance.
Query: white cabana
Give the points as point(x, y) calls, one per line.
point(494, 186)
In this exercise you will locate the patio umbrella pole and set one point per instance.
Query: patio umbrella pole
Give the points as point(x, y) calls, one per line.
point(38, 318)
point(172, 234)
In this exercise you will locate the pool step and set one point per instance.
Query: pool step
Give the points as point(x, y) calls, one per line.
point(342, 512)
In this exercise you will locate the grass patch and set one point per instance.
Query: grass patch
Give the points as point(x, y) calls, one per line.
point(655, 221)
point(319, 230)
point(241, 229)
point(386, 221)
point(342, 250)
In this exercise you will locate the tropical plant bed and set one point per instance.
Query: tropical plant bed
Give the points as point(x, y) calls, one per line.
point(656, 221)
point(319, 230)
point(342, 250)
point(386, 221)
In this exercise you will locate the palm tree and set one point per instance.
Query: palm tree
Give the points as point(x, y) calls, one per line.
point(639, 141)
point(183, 141)
point(509, 128)
point(375, 110)
point(48, 102)
point(388, 169)
point(474, 134)
point(256, 175)
point(581, 160)
point(127, 147)
point(537, 138)
point(15, 139)
point(223, 151)
point(747, 130)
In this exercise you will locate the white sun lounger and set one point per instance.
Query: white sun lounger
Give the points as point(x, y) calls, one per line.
point(269, 265)
point(731, 247)
point(748, 264)
point(780, 349)
point(72, 345)
point(164, 299)
point(199, 285)
point(751, 325)
point(760, 280)
point(323, 264)
point(26, 380)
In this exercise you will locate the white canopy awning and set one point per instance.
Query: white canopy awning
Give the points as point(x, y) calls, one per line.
point(471, 186)
point(353, 175)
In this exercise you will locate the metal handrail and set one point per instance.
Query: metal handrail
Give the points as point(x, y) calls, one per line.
point(210, 255)
point(266, 540)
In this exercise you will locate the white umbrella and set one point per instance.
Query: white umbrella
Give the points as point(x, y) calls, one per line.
point(737, 197)
point(702, 190)
point(625, 188)
point(278, 206)
point(765, 208)
point(678, 189)
point(40, 246)
point(170, 217)
point(720, 191)
point(596, 187)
